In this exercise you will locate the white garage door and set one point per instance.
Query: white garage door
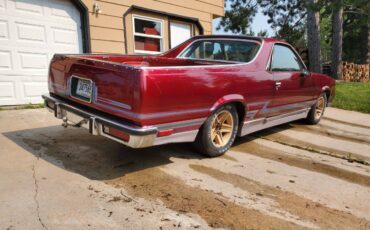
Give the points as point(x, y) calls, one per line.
point(31, 31)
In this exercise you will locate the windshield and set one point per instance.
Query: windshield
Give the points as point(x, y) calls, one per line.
point(222, 50)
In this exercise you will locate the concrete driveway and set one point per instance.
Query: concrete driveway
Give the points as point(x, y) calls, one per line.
point(289, 177)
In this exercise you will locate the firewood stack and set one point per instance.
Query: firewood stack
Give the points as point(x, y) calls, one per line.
point(355, 72)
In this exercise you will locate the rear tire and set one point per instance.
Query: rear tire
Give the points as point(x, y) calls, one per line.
point(317, 110)
point(218, 133)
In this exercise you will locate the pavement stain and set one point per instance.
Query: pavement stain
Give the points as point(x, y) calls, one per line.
point(274, 135)
point(153, 184)
point(324, 217)
point(321, 129)
point(259, 150)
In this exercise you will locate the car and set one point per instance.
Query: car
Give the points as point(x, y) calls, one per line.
point(208, 90)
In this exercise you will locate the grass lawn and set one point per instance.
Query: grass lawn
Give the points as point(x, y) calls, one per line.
point(352, 96)
point(26, 106)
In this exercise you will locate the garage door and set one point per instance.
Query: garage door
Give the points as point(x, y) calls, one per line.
point(31, 31)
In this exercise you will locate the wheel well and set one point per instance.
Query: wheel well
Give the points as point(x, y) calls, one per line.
point(240, 108)
point(327, 94)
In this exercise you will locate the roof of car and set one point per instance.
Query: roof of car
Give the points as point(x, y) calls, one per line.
point(240, 37)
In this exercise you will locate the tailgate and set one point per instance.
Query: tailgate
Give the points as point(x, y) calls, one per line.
point(98, 84)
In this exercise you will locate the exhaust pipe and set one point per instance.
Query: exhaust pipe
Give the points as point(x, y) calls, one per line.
point(65, 123)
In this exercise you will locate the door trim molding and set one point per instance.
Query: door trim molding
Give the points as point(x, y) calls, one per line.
point(264, 123)
point(85, 25)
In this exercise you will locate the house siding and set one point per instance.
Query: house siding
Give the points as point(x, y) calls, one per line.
point(107, 30)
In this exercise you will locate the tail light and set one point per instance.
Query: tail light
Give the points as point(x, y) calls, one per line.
point(116, 133)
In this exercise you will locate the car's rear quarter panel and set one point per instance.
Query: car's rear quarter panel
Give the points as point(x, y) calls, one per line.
point(115, 83)
point(182, 93)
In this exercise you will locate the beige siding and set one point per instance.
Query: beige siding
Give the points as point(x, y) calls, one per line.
point(101, 46)
point(101, 33)
point(108, 32)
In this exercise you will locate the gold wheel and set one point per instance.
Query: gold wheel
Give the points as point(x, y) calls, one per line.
point(320, 106)
point(222, 129)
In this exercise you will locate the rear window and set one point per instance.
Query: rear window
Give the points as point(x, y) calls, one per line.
point(222, 50)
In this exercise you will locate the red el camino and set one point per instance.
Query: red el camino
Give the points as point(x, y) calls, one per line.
point(207, 90)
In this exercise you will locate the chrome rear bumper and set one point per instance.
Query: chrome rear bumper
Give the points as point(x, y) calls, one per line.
point(139, 137)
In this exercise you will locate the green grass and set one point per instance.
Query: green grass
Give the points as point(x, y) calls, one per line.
point(26, 106)
point(352, 96)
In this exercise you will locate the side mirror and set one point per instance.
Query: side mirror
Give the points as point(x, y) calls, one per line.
point(305, 73)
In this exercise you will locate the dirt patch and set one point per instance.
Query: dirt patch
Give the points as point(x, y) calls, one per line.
point(228, 157)
point(346, 123)
point(259, 150)
point(322, 216)
point(153, 184)
point(330, 132)
point(273, 135)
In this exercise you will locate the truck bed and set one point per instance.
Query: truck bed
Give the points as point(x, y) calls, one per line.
point(149, 61)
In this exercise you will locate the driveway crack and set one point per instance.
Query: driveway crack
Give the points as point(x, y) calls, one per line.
point(36, 193)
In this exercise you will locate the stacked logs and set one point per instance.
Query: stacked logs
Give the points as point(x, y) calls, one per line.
point(355, 72)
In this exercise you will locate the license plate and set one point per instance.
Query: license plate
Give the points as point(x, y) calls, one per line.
point(84, 88)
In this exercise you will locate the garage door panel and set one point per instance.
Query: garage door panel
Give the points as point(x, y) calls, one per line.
point(33, 89)
point(7, 90)
point(4, 30)
point(6, 60)
point(64, 36)
point(29, 6)
point(62, 9)
point(31, 31)
point(2, 5)
point(33, 61)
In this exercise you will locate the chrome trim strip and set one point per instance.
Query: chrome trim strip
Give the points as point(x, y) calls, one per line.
point(292, 106)
point(188, 136)
point(115, 103)
point(154, 115)
point(264, 123)
point(166, 114)
point(179, 124)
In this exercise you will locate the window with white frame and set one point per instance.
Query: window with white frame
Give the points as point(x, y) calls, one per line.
point(148, 35)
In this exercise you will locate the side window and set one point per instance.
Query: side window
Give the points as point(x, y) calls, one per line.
point(284, 59)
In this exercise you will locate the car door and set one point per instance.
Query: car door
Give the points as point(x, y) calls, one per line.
point(294, 86)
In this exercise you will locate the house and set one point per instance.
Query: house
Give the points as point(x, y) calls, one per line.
point(31, 31)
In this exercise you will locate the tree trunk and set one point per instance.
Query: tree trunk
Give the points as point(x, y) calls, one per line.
point(337, 42)
point(368, 41)
point(313, 36)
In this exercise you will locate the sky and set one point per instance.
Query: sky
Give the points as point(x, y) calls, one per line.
point(259, 23)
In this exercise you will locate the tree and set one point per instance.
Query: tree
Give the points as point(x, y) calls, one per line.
point(337, 40)
point(287, 18)
point(356, 31)
point(313, 36)
point(238, 16)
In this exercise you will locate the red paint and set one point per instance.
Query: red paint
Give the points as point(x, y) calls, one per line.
point(161, 95)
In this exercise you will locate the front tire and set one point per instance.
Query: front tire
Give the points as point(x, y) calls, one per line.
point(317, 110)
point(218, 133)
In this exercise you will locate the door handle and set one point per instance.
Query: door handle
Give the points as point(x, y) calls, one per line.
point(277, 85)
